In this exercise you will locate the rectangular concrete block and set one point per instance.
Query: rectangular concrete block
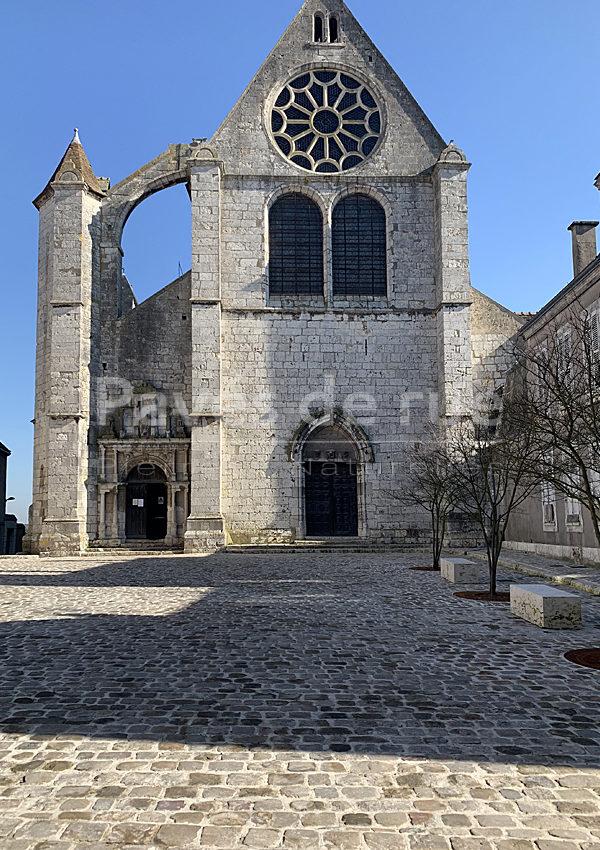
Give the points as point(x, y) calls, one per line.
point(462, 571)
point(545, 606)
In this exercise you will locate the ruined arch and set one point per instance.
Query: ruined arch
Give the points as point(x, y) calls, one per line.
point(156, 242)
point(168, 169)
point(113, 291)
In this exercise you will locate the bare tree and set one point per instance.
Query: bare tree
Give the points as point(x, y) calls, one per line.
point(495, 466)
point(561, 371)
point(432, 487)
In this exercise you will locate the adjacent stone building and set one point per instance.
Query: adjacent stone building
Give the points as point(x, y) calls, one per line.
point(550, 523)
point(268, 394)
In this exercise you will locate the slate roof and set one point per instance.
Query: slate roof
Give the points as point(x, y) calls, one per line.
point(75, 160)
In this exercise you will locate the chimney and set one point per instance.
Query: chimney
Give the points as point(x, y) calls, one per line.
point(584, 244)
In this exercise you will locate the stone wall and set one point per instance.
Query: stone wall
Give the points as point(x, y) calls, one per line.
point(153, 342)
point(412, 143)
point(279, 369)
point(494, 329)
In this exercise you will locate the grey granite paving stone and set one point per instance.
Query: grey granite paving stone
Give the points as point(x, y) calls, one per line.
point(287, 701)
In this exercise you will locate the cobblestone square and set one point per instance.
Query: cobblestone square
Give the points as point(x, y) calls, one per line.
point(287, 701)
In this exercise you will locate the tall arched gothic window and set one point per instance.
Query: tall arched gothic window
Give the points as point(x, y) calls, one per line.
point(359, 247)
point(295, 246)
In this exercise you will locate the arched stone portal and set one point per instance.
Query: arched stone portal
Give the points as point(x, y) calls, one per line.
point(330, 463)
point(146, 503)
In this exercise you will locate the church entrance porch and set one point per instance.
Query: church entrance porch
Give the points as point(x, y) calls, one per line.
point(330, 474)
point(143, 493)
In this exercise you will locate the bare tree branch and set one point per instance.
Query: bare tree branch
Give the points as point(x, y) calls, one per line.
point(560, 371)
point(433, 488)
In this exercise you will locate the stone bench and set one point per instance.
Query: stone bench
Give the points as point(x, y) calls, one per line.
point(545, 606)
point(462, 571)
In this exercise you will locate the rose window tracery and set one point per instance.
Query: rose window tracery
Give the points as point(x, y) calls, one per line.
point(326, 121)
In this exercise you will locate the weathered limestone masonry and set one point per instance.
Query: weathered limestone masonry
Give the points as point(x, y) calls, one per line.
point(453, 285)
point(69, 208)
point(193, 419)
point(494, 332)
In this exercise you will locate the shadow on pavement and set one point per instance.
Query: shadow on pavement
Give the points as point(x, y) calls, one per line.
point(316, 653)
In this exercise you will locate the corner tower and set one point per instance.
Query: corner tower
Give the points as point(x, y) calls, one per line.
point(68, 229)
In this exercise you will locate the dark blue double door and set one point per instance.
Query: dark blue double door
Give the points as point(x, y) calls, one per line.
point(331, 499)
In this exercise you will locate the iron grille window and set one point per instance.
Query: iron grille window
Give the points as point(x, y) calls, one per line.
point(295, 247)
point(359, 247)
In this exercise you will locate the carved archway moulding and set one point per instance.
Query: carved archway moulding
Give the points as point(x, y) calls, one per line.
point(340, 419)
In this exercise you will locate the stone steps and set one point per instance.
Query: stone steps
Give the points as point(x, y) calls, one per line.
point(308, 547)
point(298, 548)
point(128, 551)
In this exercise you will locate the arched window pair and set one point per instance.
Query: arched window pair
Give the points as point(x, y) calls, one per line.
point(358, 241)
point(320, 35)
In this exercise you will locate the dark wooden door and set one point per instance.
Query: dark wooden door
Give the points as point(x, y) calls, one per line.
point(345, 501)
point(146, 511)
point(331, 499)
point(135, 512)
point(156, 511)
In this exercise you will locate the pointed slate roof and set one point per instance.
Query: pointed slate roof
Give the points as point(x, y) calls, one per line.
point(74, 162)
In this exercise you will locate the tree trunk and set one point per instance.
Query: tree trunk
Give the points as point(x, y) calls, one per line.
point(494, 550)
point(435, 531)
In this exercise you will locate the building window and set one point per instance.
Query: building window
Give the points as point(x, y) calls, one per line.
point(295, 246)
point(592, 325)
point(319, 30)
point(563, 351)
point(549, 506)
point(334, 30)
point(326, 121)
point(359, 247)
point(573, 516)
point(540, 374)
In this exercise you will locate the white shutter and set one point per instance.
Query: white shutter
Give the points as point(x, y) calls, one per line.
point(563, 343)
point(549, 498)
point(594, 322)
point(540, 366)
point(549, 506)
point(573, 514)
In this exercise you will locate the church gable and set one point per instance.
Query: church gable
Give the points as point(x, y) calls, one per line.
point(326, 101)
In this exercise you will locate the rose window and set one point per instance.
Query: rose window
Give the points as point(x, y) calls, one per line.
point(326, 121)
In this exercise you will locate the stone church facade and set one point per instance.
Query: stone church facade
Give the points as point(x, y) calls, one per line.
point(269, 394)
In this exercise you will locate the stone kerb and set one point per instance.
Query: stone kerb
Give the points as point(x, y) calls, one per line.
point(545, 606)
point(461, 571)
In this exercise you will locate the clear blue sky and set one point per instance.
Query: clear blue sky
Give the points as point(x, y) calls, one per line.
point(513, 83)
